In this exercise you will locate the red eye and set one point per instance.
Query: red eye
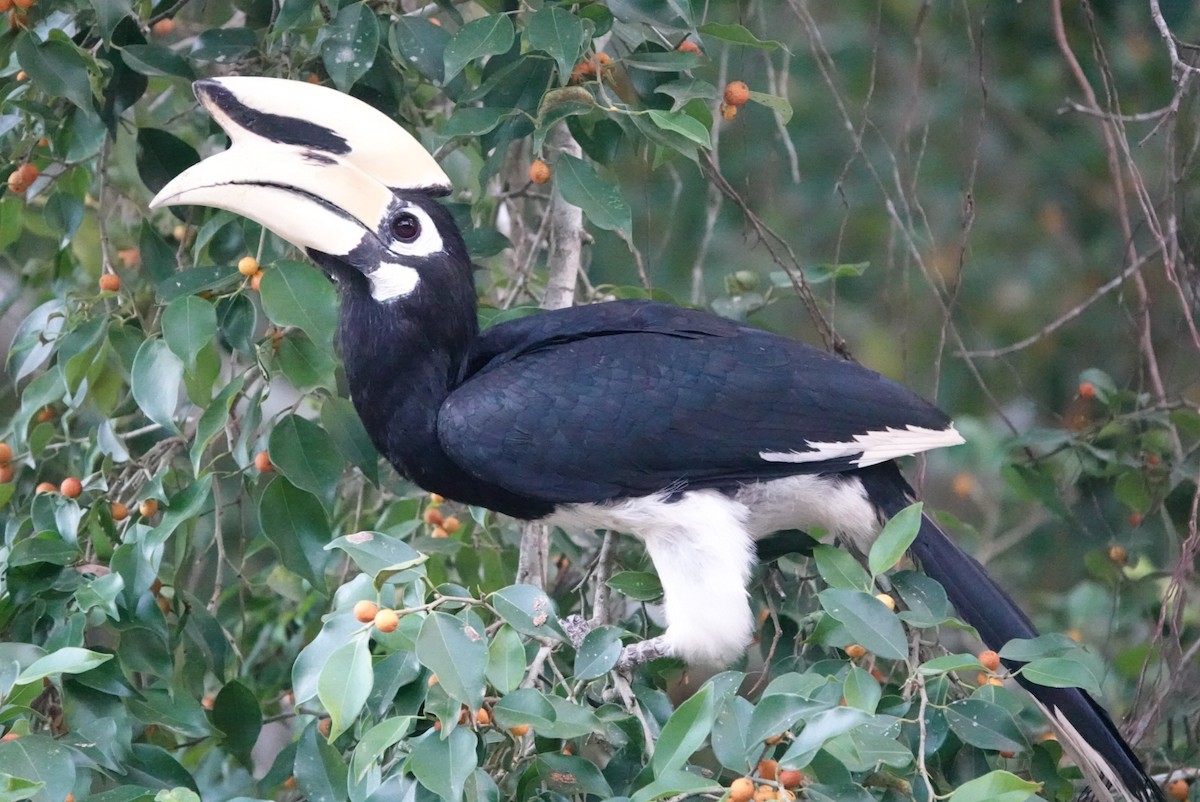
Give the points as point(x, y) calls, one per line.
point(406, 227)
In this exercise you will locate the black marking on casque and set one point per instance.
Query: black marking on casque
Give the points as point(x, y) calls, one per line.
point(317, 158)
point(275, 127)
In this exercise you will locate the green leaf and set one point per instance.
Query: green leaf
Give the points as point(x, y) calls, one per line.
point(306, 454)
point(823, 726)
point(674, 61)
point(559, 33)
point(995, 786)
point(376, 741)
point(779, 105)
point(839, 569)
point(320, 771)
point(213, 419)
point(189, 324)
point(39, 759)
point(457, 653)
point(597, 653)
point(475, 121)
point(684, 732)
point(683, 124)
point(155, 379)
point(350, 45)
point(161, 156)
point(380, 556)
point(237, 713)
point(637, 585)
point(109, 13)
point(729, 734)
point(685, 89)
point(479, 38)
point(861, 690)
point(224, 44)
point(869, 622)
point(1053, 644)
point(525, 706)
point(1061, 672)
point(601, 201)
point(157, 60)
point(418, 42)
point(950, 662)
point(985, 725)
point(342, 423)
point(68, 660)
point(443, 764)
point(305, 364)
point(738, 35)
point(194, 280)
point(295, 294)
point(528, 610)
point(897, 535)
point(678, 784)
point(570, 776)
point(295, 523)
point(506, 660)
point(345, 683)
point(58, 68)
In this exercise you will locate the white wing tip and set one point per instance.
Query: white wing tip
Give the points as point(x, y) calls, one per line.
point(872, 447)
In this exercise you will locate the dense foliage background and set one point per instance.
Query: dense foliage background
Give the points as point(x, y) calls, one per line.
point(991, 203)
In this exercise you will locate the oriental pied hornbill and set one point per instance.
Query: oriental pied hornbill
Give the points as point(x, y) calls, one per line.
point(696, 434)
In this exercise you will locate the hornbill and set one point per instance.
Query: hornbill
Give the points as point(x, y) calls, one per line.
point(696, 434)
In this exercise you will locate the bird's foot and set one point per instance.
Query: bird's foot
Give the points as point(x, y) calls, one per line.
point(635, 654)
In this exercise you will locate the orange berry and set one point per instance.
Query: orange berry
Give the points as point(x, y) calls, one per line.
point(119, 511)
point(519, 730)
point(482, 717)
point(323, 727)
point(982, 679)
point(256, 281)
point(432, 515)
point(45, 415)
point(439, 533)
point(791, 778)
point(10, 736)
point(23, 4)
point(262, 461)
point(1135, 519)
point(1153, 459)
point(604, 59)
point(688, 46)
point(736, 93)
point(433, 680)
point(148, 508)
point(29, 171)
point(886, 600)
point(45, 487)
point(290, 782)
point(1177, 790)
point(110, 282)
point(71, 487)
point(386, 620)
point(962, 485)
point(1087, 390)
point(164, 27)
point(1006, 754)
point(365, 611)
point(855, 651)
point(768, 769)
point(436, 499)
point(6, 453)
point(989, 659)
point(247, 266)
point(70, 797)
point(451, 524)
point(43, 142)
point(312, 78)
point(1118, 555)
point(156, 586)
point(180, 232)
point(16, 182)
point(6, 473)
point(164, 604)
point(728, 112)
point(765, 793)
point(208, 701)
point(539, 172)
point(435, 21)
point(741, 789)
point(5, 5)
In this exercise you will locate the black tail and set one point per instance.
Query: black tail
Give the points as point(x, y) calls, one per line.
point(1084, 729)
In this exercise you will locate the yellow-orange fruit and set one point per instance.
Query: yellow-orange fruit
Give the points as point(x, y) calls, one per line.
point(110, 282)
point(433, 680)
point(247, 266)
point(604, 59)
point(208, 701)
point(71, 487)
point(539, 172)
point(386, 620)
point(323, 727)
point(519, 730)
point(982, 679)
point(791, 778)
point(6, 453)
point(741, 789)
point(483, 717)
point(736, 93)
point(439, 533)
point(1135, 519)
point(119, 511)
point(1087, 390)
point(148, 507)
point(855, 651)
point(432, 515)
point(1118, 555)
point(262, 461)
point(23, 3)
point(164, 27)
point(290, 782)
point(365, 611)
point(728, 112)
point(451, 524)
point(887, 600)
point(312, 78)
point(962, 485)
point(256, 281)
point(45, 487)
point(1177, 790)
point(989, 659)
point(5, 5)
point(688, 46)
point(6, 473)
point(45, 415)
point(10, 736)
point(768, 769)
point(765, 793)
point(436, 499)
point(16, 182)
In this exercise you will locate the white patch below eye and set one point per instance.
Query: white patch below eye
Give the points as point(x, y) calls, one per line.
point(873, 447)
point(391, 281)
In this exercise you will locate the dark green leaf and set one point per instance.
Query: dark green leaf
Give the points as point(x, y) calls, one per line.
point(155, 381)
point(559, 33)
point(528, 610)
point(601, 201)
point(637, 585)
point(736, 34)
point(351, 41)
point(475, 121)
point(685, 731)
point(345, 683)
point(869, 622)
point(157, 60)
point(189, 324)
point(296, 294)
point(1026, 649)
point(39, 759)
point(598, 653)
point(213, 419)
point(479, 38)
point(985, 725)
point(443, 764)
point(236, 712)
point(568, 775)
point(779, 105)
point(295, 523)
point(380, 556)
point(224, 45)
point(839, 569)
point(305, 364)
point(346, 428)
point(1061, 672)
point(683, 124)
point(306, 454)
point(674, 61)
point(320, 771)
point(820, 728)
point(58, 68)
point(418, 42)
point(457, 653)
point(506, 660)
point(161, 156)
point(861, 690)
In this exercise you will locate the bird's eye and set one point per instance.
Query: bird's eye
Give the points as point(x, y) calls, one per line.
point(406, 227)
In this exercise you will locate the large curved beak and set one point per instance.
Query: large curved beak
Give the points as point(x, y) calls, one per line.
point(313, 165)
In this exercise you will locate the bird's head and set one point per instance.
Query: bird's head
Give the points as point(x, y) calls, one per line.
point(329, 174)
